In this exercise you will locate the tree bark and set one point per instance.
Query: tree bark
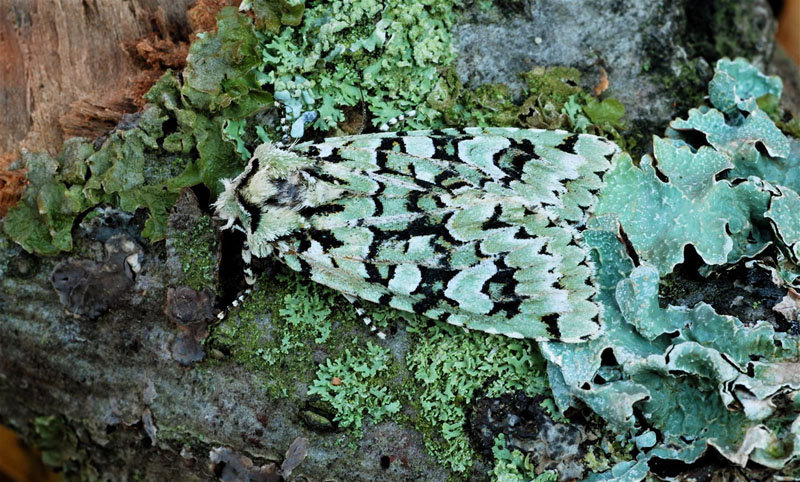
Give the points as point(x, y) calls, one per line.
point(74, 68)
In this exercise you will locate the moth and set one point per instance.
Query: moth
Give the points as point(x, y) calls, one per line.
point(478, 227)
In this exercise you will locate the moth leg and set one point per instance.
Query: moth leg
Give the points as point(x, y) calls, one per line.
point(284, 126)
point(249, 278)
point(287, 126)
point(394, 120)
point(363, 315)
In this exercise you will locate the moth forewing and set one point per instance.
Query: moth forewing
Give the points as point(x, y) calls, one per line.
point(478, 227)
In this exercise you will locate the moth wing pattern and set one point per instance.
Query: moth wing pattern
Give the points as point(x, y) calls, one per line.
point(478, 227)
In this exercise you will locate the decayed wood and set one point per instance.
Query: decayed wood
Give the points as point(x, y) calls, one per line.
point(66, 66)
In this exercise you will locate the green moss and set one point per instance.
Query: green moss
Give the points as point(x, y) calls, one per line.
point(282, 324)
point(553, 100)
point(197, 249)
point(786, 121)
point(450, 367)
point(178, 436)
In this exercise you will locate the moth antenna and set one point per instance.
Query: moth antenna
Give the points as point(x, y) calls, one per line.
point(394, 120)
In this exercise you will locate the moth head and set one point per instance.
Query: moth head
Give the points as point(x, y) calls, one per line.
point(227, 206)
point(277, 163)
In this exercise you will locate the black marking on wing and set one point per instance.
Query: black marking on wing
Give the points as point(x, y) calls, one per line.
point(424, 304)
point(509, 301)
point(568, 144)
point(387, 144)
point(551, 321)
point(430, 277)
point(305, 267)
point(411, 201)
point(523, 234)
point(378, 206)
point(374, 276)
point(526, 152)
point(252, 210)
point(382, 159)
point(494, 221)
point(325, 238)
point(324, 210)
point(441, 145)
point(423, 226)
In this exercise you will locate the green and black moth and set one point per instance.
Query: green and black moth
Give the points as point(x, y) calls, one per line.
point(478, 227)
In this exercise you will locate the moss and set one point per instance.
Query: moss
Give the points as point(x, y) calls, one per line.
point(179, 436)
point(707, 31)
point(722, 28)
point(553, 100)
point(281, 326)
point(197, 249)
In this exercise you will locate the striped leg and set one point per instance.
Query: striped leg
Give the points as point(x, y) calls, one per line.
point(249, 278)
point(394, 120)
point(363, 315)
point(285, 139)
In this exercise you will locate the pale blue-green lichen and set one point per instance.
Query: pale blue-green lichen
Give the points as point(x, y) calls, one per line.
point(349, 385)
point(696, 379)
point(450, 367)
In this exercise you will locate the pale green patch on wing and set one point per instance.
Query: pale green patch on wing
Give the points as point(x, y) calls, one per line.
point(480, 227)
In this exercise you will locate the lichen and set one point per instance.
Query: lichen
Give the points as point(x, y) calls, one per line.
point(350, 384)
point(366, 54)
point(513, 466)
point(276, 333)
point(60, 449)
point(449, 367)
point(677, 368)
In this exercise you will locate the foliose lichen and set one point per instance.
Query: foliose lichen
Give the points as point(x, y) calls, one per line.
point(684, 379)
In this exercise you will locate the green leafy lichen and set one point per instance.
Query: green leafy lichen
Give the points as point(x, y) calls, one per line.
point(42, 221)
point(277, 325)
point(350, 384)
point(694, 379)
point(343, 54)
point(513, 466)
point(58, 444)
point(175, 142)
point(450, 367)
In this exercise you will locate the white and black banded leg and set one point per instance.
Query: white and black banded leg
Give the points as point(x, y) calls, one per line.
point(249, 278)
point(364, 317)
point(285, 138)
point(394, 120)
